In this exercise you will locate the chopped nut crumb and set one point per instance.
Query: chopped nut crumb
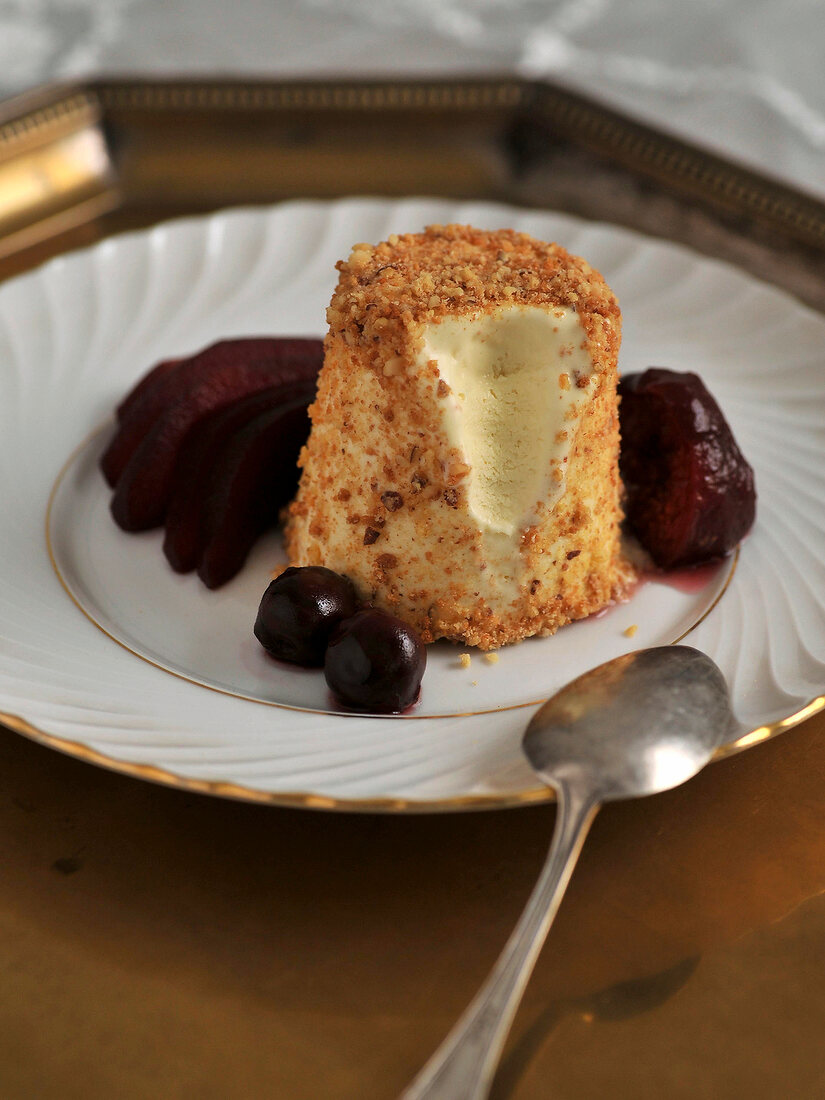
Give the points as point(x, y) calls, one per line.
point(360, 256)
point(491, 658)
point(630, 631)
point(393, 366)
point(464, 660)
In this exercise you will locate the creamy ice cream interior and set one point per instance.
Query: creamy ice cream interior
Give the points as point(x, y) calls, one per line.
point(518, 377)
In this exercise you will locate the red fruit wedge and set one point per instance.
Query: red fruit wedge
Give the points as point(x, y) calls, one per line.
point(147, 383)
point(222, 372)
point(254, 477)
point(690, 491)
point(199, 455)
point(142, 493)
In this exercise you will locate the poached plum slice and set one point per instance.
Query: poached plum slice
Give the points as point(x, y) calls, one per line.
point(143, 488)
point(154, 378)
point(194, 469)
point(690, 492)
point(254, 476)
point(216, 375)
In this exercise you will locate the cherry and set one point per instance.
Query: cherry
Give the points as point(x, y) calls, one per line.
point(375, 662)
point(690, 492)
point(300, 609)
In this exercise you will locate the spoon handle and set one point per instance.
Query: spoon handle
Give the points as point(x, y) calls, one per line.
point(464, 1065)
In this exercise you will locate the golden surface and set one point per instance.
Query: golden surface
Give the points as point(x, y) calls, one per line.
point(159, 943)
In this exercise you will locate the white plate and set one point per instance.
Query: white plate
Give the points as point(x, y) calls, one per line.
point(187, 697)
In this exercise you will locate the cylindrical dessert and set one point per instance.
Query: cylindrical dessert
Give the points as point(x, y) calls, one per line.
point(462, 467)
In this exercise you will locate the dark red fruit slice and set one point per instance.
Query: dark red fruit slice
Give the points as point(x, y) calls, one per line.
point(228, 369)
point(255, 475)
point(183, 542)
point(147, 383)
point(142, 493)
point(690, 492)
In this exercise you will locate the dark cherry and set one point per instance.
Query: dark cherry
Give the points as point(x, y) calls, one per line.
point(300, 609)
point(375, 662)
point(690, 492)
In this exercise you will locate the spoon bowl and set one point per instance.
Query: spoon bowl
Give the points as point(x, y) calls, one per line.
point(639, 724)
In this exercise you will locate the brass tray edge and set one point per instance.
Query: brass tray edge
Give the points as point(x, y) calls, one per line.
point(31, 121)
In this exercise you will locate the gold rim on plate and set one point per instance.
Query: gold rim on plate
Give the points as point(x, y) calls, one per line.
point(308, 799)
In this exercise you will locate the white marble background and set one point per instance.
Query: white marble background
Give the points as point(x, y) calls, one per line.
point(742, 76)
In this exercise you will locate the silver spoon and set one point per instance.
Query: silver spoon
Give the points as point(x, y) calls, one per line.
point(641, 723)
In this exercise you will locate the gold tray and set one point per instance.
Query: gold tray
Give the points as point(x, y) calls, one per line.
point(80, 162)
point(159, 943)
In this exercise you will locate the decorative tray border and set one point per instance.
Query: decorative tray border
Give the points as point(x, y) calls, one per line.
point(78, 162)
